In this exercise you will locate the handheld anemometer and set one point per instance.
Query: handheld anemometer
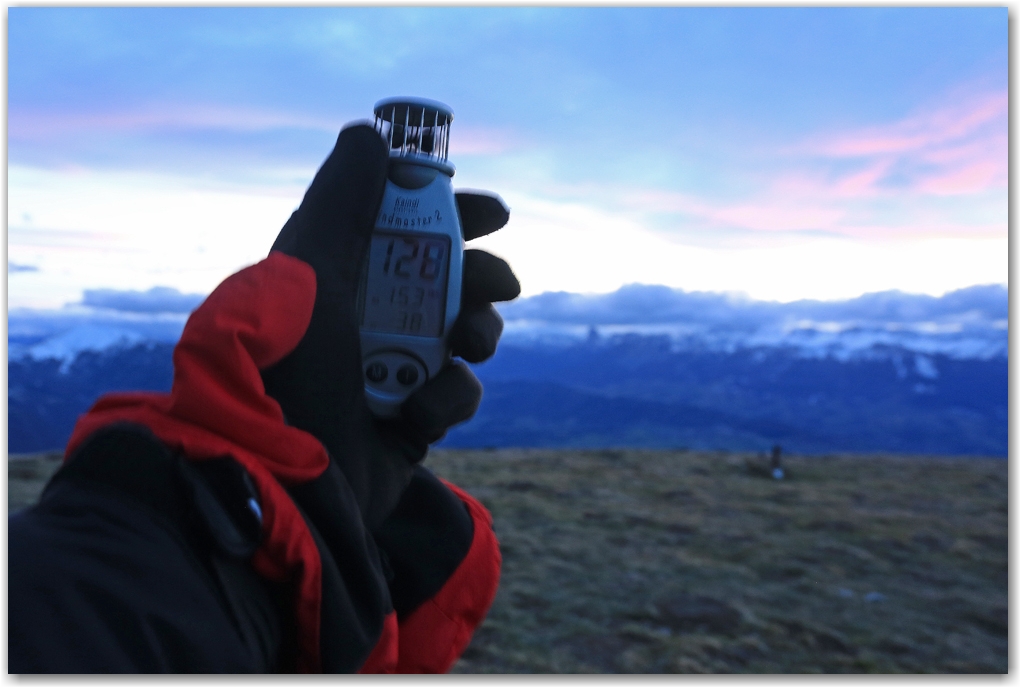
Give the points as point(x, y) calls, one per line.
point(409, 294)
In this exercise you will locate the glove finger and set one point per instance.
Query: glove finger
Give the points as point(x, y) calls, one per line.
point(331, 228)
point(452, 396)
point(487, 279)
point(481, 213)
point(476, 333)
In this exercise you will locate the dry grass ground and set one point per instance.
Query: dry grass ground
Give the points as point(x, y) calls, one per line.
point(673, 561)
point(657, 561)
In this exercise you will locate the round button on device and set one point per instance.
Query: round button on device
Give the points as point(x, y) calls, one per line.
point(377, 372)
point(390, 375)
point(407, 374)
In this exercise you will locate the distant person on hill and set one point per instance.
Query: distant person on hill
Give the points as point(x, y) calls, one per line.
point(258, 517)
point(776, 462)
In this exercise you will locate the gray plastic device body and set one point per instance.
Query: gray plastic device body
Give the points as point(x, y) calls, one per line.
point(410, 289)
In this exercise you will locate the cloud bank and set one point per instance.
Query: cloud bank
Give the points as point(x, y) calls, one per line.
point(969, 323)
point(158, 299)
point(641, 304)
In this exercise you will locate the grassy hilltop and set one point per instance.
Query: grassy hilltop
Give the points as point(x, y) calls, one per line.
point(675, 561)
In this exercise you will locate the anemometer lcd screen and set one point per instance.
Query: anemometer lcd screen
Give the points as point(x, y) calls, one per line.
point(405, 289)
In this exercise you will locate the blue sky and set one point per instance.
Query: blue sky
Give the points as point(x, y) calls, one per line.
point(783, 153)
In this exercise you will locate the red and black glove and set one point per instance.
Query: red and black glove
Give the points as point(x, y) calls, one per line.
point(268, 373)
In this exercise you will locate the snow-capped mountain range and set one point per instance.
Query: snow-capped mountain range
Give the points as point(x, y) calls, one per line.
point(643, 366)
point(66, 333)
point(967, 324)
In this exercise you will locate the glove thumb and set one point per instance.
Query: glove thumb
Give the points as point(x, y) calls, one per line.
point(330, 229)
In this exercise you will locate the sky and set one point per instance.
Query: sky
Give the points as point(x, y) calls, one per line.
point(806, 152)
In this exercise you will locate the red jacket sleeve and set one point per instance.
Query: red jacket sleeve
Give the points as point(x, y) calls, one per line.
point(217, 406)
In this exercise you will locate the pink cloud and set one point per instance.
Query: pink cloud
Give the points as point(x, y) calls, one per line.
point(959, 148)
point(941, 172)
point(463, 141)
point(993, 145)
point(973, 178)
point(777, 216)
point(921, 131)
point(480, 141)
point(776, 212)
point(876, 183)
point(860, 183)
point(45, 125)
point(806, 206)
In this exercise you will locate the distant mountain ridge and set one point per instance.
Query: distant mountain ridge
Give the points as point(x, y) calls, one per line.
point(969, 323)
point(45, 397)
point(644, 366)
point(638, 391)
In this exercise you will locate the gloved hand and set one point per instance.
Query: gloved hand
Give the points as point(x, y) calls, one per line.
point(319, 385)
point(324, 473)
